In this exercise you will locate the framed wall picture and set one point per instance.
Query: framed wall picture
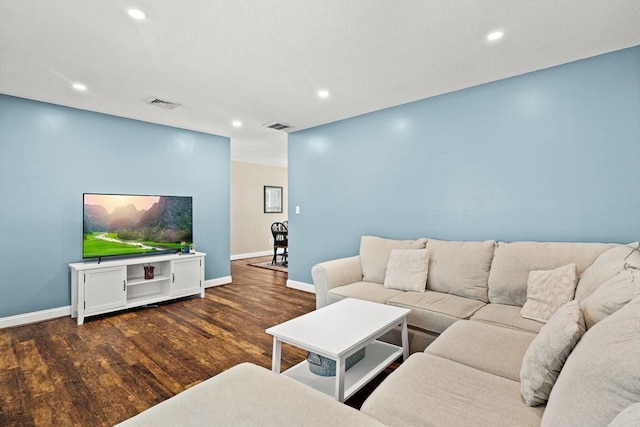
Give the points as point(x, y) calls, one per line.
point(272, 199)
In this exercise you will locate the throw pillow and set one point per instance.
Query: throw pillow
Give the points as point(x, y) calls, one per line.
point(601, 376)
point(606, 266)
point(547, 291)
point(547, 353)
point(374, 255)
point(407, 270)
point(611, 296)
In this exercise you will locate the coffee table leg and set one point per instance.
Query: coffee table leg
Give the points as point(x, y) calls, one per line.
point(405, 340)
point(277, 350)
point(340, 365)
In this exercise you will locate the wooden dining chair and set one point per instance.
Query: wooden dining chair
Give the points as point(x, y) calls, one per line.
point(280, 241)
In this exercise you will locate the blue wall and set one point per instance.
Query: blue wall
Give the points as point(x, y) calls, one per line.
point(50, 155)
point(551, 155)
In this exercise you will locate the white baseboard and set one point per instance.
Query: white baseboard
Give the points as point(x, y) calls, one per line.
point(217, 282)
point(251, 255)
point(301, 286)
point(36, 316)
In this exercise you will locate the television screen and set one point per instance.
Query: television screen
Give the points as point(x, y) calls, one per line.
point(127, 224)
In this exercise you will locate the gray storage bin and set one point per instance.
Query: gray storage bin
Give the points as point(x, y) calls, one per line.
point(322, 366)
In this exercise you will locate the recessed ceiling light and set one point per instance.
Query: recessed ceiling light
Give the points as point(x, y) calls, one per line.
point(79, 87)
point(495, 35)
point(137, 14)
point(323, 93)
point(236, 123)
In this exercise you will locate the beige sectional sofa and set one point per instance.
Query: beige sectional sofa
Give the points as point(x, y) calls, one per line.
point(484, 281)
point(477, 361)
point(470, 340)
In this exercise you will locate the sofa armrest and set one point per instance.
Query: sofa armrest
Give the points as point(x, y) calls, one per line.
point(331, 274)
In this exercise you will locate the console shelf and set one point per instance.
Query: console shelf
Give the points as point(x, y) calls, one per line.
point(134, 282)
point(103, 287)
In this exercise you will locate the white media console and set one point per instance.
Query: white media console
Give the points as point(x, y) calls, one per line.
point(103, 287)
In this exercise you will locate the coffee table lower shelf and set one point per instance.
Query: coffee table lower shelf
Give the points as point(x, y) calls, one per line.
point(378, 356)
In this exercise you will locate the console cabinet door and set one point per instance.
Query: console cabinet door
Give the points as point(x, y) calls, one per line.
point(186, 276)
point(105, 289)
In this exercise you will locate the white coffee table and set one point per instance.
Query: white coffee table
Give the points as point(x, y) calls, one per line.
point(336, 332)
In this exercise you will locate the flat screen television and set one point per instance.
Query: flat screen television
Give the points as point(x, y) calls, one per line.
point(131, 224)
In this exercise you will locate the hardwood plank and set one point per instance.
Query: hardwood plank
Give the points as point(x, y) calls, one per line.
point(14, 401)
point(34, 369)
point(7, 355)
point(117, 365)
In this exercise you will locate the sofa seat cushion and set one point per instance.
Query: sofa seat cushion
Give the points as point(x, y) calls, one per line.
point(435, 311)
point(512, 263)
point(507, 316)
point(502, 348)
point(460, 268)
point(427, 390)
point(368, 291)
point(249, 395)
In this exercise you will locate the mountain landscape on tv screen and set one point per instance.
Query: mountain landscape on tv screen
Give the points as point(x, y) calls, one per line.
point(128, 230)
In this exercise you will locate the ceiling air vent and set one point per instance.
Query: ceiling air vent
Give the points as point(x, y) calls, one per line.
point(167, 105)
point(277, 126)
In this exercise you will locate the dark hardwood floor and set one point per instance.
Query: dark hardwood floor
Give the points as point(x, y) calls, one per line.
point(56, 373)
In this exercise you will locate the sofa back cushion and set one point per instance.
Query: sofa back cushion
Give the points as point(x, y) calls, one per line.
point(460, 268)
point(512, 263)
point(601, 377)
point(612, 295)
point(606, 266)
point(375, 252)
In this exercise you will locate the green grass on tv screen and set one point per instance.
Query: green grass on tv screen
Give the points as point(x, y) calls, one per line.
point(94, 247)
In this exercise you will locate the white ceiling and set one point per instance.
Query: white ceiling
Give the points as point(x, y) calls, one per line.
point(263, 61)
